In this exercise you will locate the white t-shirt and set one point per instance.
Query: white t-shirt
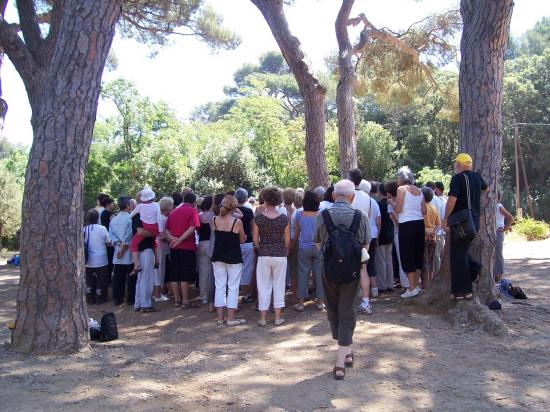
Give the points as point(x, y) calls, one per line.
point(499, 217)
point(325, 204)
point(440, 207)
point(374, 214)
point(148, 213)
point(361, 202)
point(96, 236)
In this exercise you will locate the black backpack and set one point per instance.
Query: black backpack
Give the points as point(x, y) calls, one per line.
point(341, 251)
point(108, 330)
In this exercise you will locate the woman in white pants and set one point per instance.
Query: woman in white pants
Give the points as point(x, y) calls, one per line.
point(271, 233)
point(228, 261)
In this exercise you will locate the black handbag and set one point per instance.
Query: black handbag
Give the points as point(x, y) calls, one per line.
point(462, 222)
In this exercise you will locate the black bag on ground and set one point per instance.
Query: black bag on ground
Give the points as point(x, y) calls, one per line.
point(341, 251)
point(462, 222)
point(108, 330)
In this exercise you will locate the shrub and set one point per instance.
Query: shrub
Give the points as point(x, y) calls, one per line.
point(532, 229)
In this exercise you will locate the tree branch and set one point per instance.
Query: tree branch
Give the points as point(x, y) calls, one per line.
point(29, 26)
point(19, 54)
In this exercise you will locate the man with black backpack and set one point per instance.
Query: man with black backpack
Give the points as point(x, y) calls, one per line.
point(342, 233)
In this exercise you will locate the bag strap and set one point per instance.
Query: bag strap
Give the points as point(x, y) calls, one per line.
point(233, 226)
point(356, 222)
point(468, 191)
point(328, 221)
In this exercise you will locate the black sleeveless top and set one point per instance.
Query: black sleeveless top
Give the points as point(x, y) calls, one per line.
point(227, 246)
point(204, 232)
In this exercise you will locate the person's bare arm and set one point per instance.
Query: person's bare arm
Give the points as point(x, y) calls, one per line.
point(240, 230)
point(508, 218)
point(296, 234)
point(255, 235)
point(121, 250)
point(287, 239)
point(424, 209)
point(378, 223)
point(400, 199)
point(169, 236)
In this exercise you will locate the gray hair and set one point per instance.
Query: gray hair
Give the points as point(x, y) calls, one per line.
point(320, 192)
point(405, 175)
point(344, 188)
point(166, 203)
point(241, 195)
point(365, 186)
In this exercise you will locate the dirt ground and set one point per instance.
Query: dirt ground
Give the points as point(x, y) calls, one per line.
point(405, 360)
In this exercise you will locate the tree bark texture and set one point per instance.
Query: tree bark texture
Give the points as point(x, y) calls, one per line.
point(312, 91)
point(483, 46)
point(62, 76)
point(3, 103)
point(344, 92)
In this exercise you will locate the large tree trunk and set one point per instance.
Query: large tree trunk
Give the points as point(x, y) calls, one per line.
point(344, 92)
point(3, 104)
point(483, 46)
point(312, 91)
point(63, 93)
point(484, 40)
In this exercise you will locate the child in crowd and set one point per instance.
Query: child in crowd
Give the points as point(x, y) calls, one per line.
point(432, 224)
point(150, 216)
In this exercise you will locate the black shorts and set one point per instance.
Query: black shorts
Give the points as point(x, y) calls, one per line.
point(183, 266)
point(411, 245)
point(371, 266)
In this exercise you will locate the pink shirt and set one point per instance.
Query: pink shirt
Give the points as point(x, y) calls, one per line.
point(181, 219)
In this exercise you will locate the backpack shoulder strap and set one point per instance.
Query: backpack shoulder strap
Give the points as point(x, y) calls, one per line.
point(328, 221)
point(356, 222)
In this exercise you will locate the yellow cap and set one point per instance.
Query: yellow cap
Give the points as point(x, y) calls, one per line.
point(464, 158)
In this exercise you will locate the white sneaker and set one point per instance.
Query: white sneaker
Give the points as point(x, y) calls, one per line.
point(364, 309)
point(411, 293)
point(374, 292)
point(161, 299)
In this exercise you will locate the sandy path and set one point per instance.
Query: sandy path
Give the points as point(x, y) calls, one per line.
point(179, 360)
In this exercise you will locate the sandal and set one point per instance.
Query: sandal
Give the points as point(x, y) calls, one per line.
point(339, 369)
point(348, 363)
point(190, 305)
point(236, 322)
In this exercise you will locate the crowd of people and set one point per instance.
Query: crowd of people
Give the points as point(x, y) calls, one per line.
point(270, 250)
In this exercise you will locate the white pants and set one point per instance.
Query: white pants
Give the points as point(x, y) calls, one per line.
point(204, 269)
point(145, 279)
point(228, 279)
point(160, 273)
point(271, 277)
point(402, 275)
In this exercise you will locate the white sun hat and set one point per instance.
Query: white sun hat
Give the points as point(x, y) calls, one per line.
point(147, 194)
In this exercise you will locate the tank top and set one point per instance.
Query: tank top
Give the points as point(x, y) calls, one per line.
point(499, 217)
point(412, 208)
point(227, 246)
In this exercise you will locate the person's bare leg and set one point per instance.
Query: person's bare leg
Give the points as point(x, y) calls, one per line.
point(425, 276)
point(184, 292)
point(176, 292)
point(343, 351)
point(220, 314)
point(365, 282)
point(413, 280)
point(231, 314)
point(156, 291)
point(277, 313)
point(263, 314)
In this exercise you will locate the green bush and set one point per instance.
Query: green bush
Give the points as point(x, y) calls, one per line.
point(532, 229)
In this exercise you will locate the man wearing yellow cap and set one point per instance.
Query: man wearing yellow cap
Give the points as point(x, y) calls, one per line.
point(464, 193)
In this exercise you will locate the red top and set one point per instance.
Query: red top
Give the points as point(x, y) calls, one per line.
point(179, 220)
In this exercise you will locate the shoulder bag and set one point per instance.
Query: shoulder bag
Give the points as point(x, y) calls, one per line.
point(462, 222)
